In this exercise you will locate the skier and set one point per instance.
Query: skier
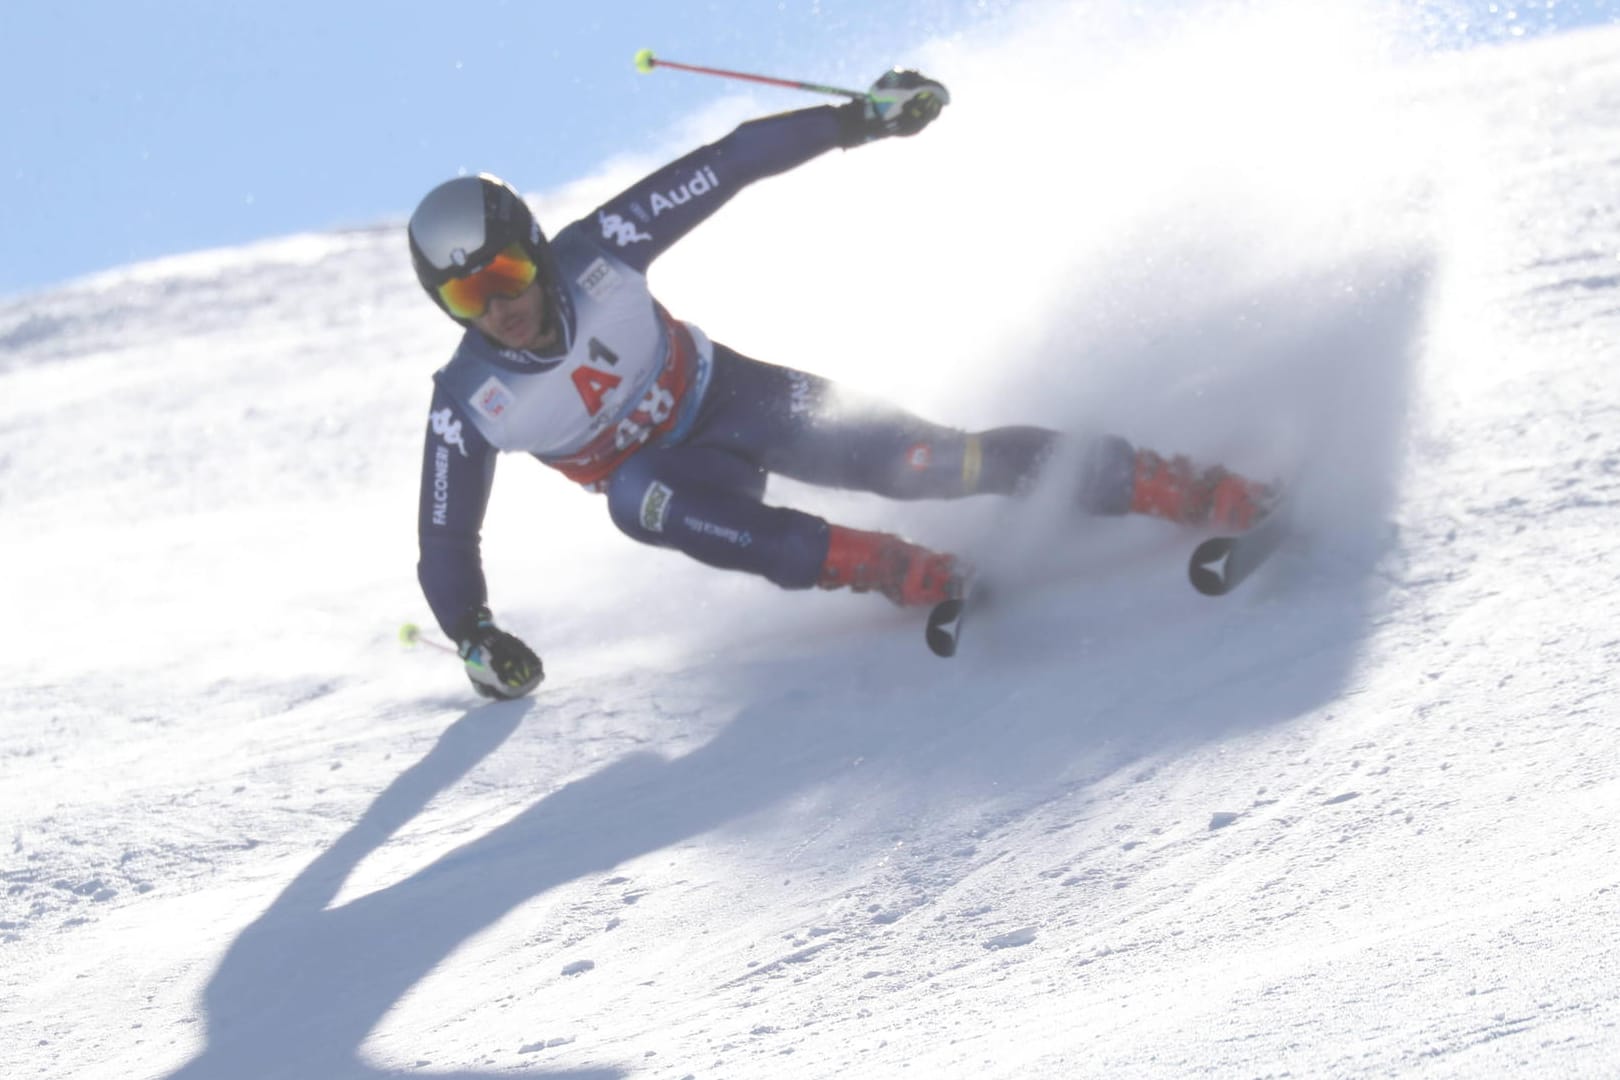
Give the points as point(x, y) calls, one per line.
point(568, 357)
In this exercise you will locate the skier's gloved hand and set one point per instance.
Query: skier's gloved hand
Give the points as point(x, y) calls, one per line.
point(899, 103)
point(499, 665)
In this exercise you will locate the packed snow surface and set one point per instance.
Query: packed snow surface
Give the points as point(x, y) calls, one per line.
point(1360, 818)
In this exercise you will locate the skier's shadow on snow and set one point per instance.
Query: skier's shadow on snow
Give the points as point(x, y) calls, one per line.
point(302, 987)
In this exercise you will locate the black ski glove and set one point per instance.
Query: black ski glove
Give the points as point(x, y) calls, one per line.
point(899, 103)
point(499, 665)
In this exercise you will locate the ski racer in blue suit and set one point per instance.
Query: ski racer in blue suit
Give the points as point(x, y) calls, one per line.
point(569, 357)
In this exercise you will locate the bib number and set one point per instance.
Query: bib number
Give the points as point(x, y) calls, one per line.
point(655, 408)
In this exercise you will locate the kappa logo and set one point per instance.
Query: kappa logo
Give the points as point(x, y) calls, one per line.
point(493, 399)
point(599, 279)
point(704, 182)
point(655, 507)
point(448, 428)
point(621, 232)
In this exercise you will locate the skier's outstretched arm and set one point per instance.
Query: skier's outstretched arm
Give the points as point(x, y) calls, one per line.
point(644, 220)
point(458, 468)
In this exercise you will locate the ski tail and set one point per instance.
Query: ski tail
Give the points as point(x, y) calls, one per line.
point(945, 621)
point(1222, 563)
point(944, 631)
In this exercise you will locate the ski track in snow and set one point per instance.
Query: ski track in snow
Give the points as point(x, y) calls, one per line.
point(1356, 819)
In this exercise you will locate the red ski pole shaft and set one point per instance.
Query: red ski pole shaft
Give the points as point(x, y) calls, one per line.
point(646, 61)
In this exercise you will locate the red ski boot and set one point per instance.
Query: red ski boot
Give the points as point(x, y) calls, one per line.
point(1176, 491)
point(907, 574)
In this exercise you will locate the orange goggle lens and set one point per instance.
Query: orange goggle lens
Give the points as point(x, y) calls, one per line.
point(507, 274)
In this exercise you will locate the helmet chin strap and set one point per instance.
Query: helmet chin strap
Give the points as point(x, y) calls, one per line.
point(552, 337)
point(549, 338)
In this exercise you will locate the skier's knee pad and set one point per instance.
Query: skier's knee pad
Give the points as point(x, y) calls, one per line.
point(638, 502)
point(640, 491)
point(1007, 460)
point(1107, 476)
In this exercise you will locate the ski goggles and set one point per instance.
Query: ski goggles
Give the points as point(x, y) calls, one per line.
point(506, 275)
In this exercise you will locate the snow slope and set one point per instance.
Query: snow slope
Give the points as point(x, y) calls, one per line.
point(1357, 819)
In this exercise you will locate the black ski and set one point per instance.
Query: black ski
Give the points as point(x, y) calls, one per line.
point(1221, 563)
point(944, 630)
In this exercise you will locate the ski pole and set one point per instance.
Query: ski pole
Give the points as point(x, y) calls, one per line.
point(646, 61)
point(410, 634)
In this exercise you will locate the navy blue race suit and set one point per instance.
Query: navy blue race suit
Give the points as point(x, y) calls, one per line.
point(678, 432)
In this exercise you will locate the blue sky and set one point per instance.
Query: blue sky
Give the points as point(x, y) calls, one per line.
point(143, 128)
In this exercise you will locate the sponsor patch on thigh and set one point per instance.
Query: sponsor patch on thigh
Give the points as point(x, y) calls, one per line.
point(655, 507)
